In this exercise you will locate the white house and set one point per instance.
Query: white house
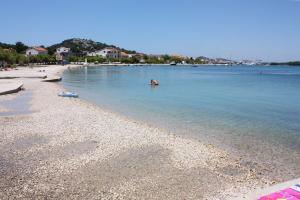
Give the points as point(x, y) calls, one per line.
point(108, 52)
point(63, 50)
point(36, 51)
point(62, 53)
point(95, 53)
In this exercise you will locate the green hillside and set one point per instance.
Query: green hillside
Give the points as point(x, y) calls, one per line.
point(82, 46)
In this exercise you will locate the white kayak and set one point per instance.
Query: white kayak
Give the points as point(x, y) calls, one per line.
point(68, 94)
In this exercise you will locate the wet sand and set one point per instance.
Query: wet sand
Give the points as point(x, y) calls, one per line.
point(71, 149)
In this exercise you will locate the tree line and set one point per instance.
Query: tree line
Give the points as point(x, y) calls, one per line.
point(14, 54)
point(10, 58)
point(147, 59)
point(293, 63)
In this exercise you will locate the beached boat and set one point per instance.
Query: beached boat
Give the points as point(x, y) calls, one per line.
point(68, 94)
point(52, 79)
point(8, 87)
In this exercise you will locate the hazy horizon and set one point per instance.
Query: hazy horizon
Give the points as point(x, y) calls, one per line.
point(258, 29)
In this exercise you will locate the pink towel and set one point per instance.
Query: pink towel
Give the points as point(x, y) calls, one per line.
point(286, 194)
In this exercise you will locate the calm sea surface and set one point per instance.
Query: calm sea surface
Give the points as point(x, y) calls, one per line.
point(245, 107)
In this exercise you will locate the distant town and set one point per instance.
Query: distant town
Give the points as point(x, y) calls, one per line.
point(79, 51)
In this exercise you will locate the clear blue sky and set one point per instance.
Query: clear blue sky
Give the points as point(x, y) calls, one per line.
point(238, 29)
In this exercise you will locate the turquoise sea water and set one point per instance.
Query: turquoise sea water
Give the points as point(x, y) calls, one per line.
point(238, 106)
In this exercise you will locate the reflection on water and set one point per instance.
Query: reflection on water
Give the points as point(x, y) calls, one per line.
point(17, 106)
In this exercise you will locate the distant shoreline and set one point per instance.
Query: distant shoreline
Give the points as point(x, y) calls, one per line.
point(187, 65)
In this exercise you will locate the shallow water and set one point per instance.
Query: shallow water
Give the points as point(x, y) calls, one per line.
point(242, 107)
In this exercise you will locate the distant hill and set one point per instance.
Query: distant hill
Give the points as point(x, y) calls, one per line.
point(82, 46)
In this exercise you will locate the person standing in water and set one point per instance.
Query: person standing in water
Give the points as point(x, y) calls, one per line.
point(153, 82)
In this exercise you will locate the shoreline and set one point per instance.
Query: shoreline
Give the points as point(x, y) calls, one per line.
point(271, 154)
point(72, 141)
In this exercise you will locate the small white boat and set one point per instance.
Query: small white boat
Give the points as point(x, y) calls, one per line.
point(68, 94)
point(52, 79)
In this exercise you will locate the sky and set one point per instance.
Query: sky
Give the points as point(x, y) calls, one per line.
point(266, 30)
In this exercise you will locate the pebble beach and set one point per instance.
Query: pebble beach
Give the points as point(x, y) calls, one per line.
point(65, 148)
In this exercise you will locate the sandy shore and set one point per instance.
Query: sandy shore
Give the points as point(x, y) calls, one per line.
point(71, 149)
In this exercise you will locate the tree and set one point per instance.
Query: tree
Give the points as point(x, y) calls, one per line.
point(20, 47)
point(21, 59)
point(51, 51)
point(8, 56)
point(73, 59)
point(33, 59)
point(166, 58)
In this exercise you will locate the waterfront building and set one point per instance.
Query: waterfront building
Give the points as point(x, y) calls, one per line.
point(108, 52)
point(36, 51)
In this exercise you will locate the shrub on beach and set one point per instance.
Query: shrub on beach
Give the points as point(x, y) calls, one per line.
point(42, 59)
point(8, 57)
